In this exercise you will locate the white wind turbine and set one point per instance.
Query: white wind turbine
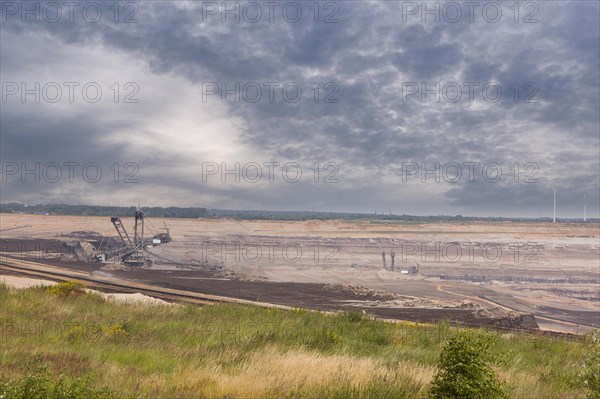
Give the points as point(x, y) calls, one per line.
point(584, 208)
point(554, 218)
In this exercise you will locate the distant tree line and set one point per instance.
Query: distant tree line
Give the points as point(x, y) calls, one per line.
point(177, 212)
point(93, 210)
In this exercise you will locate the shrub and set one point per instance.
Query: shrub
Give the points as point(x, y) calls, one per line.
point(116, 329)
point(463, 372)
point(66, 288)
point(353, 316)
point(41, 383)
point(590, 375)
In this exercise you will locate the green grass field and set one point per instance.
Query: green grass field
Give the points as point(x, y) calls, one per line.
point(233, 351)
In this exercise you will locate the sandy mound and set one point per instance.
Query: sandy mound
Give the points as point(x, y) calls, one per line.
point(360, 291)
point(232, 275)
point(115, 266)
point(423, 303)
point(385, 299)
point(24, 282)
point(136, 298)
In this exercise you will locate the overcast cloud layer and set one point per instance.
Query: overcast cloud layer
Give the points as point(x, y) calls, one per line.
point(360, 125)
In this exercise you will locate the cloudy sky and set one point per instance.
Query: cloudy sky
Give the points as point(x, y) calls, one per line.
point(361, 106)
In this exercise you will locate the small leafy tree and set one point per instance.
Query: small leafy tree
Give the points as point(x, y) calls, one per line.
point(463, 372)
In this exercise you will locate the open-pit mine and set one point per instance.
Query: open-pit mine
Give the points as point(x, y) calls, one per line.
point(505, 275)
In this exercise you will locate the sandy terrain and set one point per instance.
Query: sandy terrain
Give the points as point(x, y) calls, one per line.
point(136, 298)
point(549, 270)
point(26, 282)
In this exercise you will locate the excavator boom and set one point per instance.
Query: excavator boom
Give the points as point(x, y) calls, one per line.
point(122, 232)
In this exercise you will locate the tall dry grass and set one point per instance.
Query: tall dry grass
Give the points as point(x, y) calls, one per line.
point(234, 351)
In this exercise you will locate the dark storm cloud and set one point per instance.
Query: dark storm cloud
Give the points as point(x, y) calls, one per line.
point(368, 54)
point(432, 59)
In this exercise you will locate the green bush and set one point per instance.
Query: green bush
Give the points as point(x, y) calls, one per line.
point(41, 383)
point(66, 288)
point(353, 316)
point(463, 372)
point(590, 375)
